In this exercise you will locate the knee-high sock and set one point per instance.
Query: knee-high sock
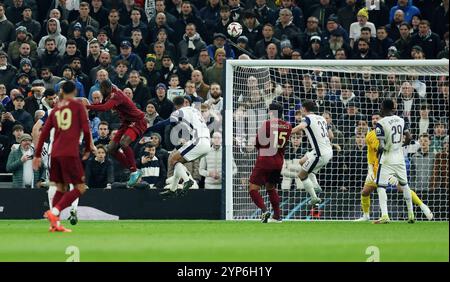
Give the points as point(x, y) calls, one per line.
point(129, 154)
point(75, 203)
point(416, 200)
point(258, 200)
point(121, 158)
point(66, 201)
point(56, 198)
point(275, 202)
point(316, 185)
point(365, 204)
point(181, 171)
point(408, 198)
point(309, 187)
point(382, 198)
point(51, 195)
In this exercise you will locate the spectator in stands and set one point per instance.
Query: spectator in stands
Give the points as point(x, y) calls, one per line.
point(219, 41)
point(51, 56)
point(114, 28)
point(322, 100)
point(99, 170)
point(136, 23)
point(428, 40)
point(153, 170)
point(355, 160)
point(49, 79)
point(216, 100)
point(262, 11)
point(162, 36)
point(407, 7)
point(349, 119)
point(211, 164)
point(140, 91)
point(135, 62)
point(4, 98)
point(408, 104)
point(103, 134)
point(271, 52)
point(104, 61)
point(105, 43)
point(151, 75)
point(355, 28)
point(7, 71)
point(165, 105)
point(26, 67)
point(167, 68)
point(215, 72)
point(6, 29)
point(99, 12)
point(35, 101)
point(439, 134)
point(85, 19)
point(160, 7)
point(201, 87)
point(289, 101)
point(210, 13)
point(120, 75)
point(191, 44)
point(19, 163)
point(347, 14)
point(403, 44)
point(285, 28)
point(444, 52)
point(5, 146)
point(54, 32)
point(17, 132)
point(393, 28)
point(382, 42)
point(363, 51)
point(346, 95)
point(224, 20)
point(69, 75)
point(317, 50)
point(151, 113)
point(14, 48)
point(268, 37)
point(439, 21)
point(251, 29)
point(440, 175)
point(333, 27)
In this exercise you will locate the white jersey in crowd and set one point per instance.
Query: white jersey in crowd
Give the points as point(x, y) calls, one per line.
point(317, 132)
point(193, 120)
point(391, 129)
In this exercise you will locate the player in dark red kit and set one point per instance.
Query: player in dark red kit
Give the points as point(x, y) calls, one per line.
point(133, 126)
point(271, 141)
point(69, 119)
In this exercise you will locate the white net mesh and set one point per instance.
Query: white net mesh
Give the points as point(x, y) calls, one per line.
point(347, 96)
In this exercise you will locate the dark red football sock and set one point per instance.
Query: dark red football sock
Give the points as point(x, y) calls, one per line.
point(258, 200)
point(275, 202)
point(121, 158)
point(129, 154)
point(67, 199)
point(57, 197)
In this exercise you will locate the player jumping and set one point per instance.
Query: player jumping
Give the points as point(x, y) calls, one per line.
point(190, 121)
point(318, 133)
point(69, 119)
point(370, 185)
point(390, 131)
point(132, 127)
point(271, 141)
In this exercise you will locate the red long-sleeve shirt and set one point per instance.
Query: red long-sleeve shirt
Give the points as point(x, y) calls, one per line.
point(128, 112)
point(69, 119)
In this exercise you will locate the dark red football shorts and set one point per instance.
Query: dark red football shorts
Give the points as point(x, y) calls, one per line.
point(261, 176)
point(66, 170)
point(132, 130)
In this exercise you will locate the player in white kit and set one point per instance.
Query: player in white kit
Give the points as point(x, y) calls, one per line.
point(190, 122)
point(319, 134)
point(390, 131)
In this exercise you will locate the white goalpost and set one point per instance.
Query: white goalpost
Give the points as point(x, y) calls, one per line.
point(347, 93)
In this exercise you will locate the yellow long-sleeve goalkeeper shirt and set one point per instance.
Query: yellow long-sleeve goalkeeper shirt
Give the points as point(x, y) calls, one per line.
point(372, 148)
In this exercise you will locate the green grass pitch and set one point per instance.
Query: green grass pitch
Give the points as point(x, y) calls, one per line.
point(154, 240)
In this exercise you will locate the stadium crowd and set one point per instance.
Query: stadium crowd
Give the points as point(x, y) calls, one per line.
point(155, 50)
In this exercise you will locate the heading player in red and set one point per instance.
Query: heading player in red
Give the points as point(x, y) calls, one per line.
point(69, 119)
point(271, 141)
point(133, 126)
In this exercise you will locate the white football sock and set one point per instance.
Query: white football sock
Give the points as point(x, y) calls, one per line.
point(74, 203)
point(309, 187)
point(55, 211)
point(382, 199)
point(51, 194)
point(181, 171)
point(408, 198)
point(313, 179)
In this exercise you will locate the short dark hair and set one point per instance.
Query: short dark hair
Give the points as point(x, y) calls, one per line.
point(71, 42)
point(178, 101)
point(68, 87)
point(48, 39)
point(276, 107)
point(104, 122)
point(387, 104)
point(101, 146)
point(366, 29)
point(309, 105)
point(149, 145)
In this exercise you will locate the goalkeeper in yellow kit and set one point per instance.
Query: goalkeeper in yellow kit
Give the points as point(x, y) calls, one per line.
point(370, 185)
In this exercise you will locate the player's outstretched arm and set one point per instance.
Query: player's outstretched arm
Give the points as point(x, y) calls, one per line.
point(299, 127)
point(109, 105)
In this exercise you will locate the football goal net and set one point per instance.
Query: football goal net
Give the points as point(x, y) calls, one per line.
point(348, 94)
